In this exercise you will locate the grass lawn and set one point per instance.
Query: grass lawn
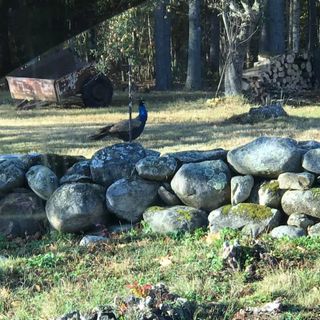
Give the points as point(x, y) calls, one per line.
point(46, 278)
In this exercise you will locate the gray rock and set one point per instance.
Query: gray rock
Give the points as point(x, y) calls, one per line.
point(302, 201)
point(314, 231)
point(129, 198)
point(42, 181)
point(254, 195)
point(79, 172)
point(168, 197)
point(21, 213)
point(287, 231)
point(311, 161)
point(300, 220)
point(241, 187)
point(296, 181)
point(88, 240)
point(174, 219)
point(204, 185)
point(153, 153)
point(156, 168)
point(116, 162)
point(266, 157)
point(270, 194)
point(12, 174)
point(267, 112)
point(198, 156)
point(255, 218)
point(76, 207)
point(308, 145)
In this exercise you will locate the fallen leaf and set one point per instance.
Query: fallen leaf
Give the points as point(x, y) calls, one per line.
point(165, 261)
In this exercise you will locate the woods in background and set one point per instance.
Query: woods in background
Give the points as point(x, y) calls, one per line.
point(190, 44)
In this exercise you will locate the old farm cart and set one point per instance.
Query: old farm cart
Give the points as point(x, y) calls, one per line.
point(57, 76)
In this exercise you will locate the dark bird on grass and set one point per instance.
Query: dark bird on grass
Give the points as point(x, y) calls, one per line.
point(120, 130)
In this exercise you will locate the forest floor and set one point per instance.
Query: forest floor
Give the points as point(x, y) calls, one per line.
point(45, 278)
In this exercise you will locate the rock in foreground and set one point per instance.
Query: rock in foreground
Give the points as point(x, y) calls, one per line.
point(77, 207)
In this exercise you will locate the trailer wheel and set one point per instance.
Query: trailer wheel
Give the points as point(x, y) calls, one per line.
point(97, 92)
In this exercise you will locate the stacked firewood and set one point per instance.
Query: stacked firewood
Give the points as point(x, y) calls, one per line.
point(285, 73)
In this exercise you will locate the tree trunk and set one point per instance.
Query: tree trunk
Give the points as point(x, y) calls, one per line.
point(233, 72)
point(193, 81)
point(296, 12)
point(214, 51)
point(163, 46)
point(5, 63)
point(312, 26)
point(240, 21)
point(273, 30)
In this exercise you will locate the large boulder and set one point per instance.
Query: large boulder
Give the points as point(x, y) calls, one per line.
point(129, 198)
point(255, 218)
point(12, 174)
point(79, 172)
point(296, 181)
point(241, 187)
point(116, 162)
point(266, 112)
point(42, 181)
point(156, 168)
point(302, 201)
point(21, 213)
point(266, 157)
point(204, 185)
point(175, 219)
point(76, 207)
point(311, 161)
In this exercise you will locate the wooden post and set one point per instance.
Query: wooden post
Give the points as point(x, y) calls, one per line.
point(130, 100)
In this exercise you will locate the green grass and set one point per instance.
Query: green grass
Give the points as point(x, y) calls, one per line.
point(47, 278)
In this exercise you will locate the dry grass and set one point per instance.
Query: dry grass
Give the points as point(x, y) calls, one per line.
point(177, 121)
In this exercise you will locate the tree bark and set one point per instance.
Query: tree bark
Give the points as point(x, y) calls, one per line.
point(240, 22)
point(273, 30)
point(193, 81)
point(296, 12)
point(162, 38)
point(214, 51)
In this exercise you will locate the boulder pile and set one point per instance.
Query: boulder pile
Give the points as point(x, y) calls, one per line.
point(268, 185)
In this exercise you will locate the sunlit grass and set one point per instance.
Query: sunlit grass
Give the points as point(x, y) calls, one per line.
point(35, 285)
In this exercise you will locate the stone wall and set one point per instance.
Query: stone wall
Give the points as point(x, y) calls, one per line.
point(268, 185)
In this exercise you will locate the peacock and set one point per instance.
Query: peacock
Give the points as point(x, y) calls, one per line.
point(120, 130)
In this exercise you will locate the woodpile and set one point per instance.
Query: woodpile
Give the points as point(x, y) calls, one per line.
point(287, 73)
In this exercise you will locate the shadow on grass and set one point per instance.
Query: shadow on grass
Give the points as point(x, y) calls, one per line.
point(59, 138)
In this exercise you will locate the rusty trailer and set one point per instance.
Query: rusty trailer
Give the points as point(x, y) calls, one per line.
point(57, 76)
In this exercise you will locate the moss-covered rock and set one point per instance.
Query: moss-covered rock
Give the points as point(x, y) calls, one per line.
point(254, 218)
point(270, 194)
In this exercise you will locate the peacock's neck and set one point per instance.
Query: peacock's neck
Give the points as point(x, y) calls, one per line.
point(143, 114)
